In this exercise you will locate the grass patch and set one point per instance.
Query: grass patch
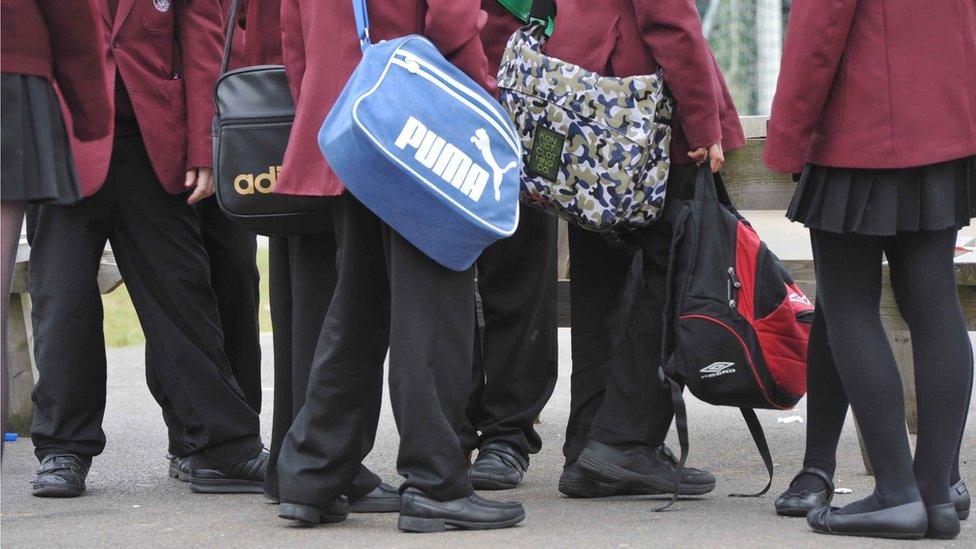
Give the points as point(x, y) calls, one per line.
point(122, 327)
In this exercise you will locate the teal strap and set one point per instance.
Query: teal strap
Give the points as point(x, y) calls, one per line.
point(362, 23)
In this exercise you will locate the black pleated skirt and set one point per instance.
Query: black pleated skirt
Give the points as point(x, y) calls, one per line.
point(883, 202)
point(35, 152)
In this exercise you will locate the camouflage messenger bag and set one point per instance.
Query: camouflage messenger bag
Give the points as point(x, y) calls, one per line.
point(596, 149)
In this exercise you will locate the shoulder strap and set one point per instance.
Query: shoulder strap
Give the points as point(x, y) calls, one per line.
point(362, 23)
point(542, 12)
point(681, 425)
point(229, 27)
point(756, 430)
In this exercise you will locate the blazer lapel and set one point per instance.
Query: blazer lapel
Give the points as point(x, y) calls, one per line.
point(125, 6)
point(102, 7)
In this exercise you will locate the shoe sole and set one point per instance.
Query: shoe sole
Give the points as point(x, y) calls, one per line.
point(225, 486)
point(56, 492)
point(491, 484)
point(423, 525)
point(174, 472)
point(308, 516)
point(608, 472)
point(589, 488)
point(885, 535)
point(374, 507)
point(794, 512)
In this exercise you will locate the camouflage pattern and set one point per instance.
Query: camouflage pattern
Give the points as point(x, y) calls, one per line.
point(616, 152)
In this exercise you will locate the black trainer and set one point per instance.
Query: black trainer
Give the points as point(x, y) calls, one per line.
point(308, 515)
point(246, 477)
point(179, 467)
point(499, 466)
point(421, 513)
point(60, 476)
point(650, 469)
point(383, 499)
point(798, 502)
point(959, 496)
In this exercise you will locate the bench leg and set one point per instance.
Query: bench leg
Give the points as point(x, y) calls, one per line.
point(20, 346)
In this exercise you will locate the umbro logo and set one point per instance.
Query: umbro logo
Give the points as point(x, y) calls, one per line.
point(716, 369)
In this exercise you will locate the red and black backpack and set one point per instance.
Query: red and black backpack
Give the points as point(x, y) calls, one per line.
point(737, 325)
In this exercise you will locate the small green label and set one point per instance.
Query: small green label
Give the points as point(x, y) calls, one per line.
point(547, 153)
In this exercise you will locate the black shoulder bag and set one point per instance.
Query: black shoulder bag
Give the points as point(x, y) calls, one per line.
point(254, 115)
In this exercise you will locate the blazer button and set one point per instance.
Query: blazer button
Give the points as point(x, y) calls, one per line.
point(116, 44)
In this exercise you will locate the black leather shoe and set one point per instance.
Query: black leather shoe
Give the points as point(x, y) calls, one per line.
point(383, 499)
point(943, 521)
point(647, 469)
point(308, 515)
point(500, 466)
point(798, 503)
point(573, 483)
point(908, 521)
point(421, 513)
point(179, 467)
point(60, 476)
point(246, 477)
point(959, 496)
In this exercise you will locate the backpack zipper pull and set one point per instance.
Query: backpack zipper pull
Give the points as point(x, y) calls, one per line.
point(733, 286)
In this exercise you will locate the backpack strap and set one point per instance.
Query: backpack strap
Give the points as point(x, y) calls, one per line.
point(759, 437)
point(681, 425)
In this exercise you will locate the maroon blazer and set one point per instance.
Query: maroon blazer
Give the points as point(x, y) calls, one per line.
point(631, 37)
point(171, 85)
point(262, 46)
point(875, 84)
point(61, 42)
point(321, 50)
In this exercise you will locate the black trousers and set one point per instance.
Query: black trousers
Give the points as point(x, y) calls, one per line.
point(516, 351)
point(302, 281)
point(156, 240)
point(388, 295)
point(616, 305)
point(232, 253)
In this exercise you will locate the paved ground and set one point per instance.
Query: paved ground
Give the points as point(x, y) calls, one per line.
point(131, 501)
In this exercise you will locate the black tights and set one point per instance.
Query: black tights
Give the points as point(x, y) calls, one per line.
point(849, 290)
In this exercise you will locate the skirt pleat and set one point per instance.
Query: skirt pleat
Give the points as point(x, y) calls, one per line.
point(37, 165)
point(884, 202)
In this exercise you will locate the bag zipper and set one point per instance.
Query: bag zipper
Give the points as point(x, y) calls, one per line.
point(415, 65)
point(732, 293)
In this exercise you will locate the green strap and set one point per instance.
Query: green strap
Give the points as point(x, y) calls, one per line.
point(522, 9)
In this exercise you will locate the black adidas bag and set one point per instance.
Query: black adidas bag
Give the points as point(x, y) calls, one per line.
point(254, 115)
point(736, 324)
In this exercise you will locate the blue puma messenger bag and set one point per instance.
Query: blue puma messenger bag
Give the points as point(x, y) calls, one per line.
point(425, 148)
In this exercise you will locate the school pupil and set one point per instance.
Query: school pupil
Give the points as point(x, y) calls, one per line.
point(138, 186)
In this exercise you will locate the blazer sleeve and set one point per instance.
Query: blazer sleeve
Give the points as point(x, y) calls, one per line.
point(454, 26)
point(78, 44)
point(293, 45)
point(816, 36)
point(200, 41)
point(672, 29)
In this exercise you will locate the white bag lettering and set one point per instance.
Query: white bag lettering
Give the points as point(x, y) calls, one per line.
point(444, 159)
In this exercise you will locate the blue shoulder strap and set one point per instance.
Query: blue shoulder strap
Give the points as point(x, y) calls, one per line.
point(362, 23)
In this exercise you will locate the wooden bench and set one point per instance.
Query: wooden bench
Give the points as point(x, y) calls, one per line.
point(20, 340)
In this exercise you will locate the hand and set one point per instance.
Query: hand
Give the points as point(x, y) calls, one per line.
point(202, 179)
point(714, 155)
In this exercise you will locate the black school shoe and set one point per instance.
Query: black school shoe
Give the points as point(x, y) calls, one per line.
point(959, 495)
point(798, 502)
point(421, 513)
point(943, 521)
point(500, 466)
point(383, 499)
point(179, 467)
point(651, 469)
point(908, 521)
point(246, 477)
point(60, 476)
point(308, 515)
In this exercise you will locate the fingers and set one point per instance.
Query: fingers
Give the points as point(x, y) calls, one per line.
point(698, 155)
point(203, 179)
point(191, 178)
point(716, 157)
